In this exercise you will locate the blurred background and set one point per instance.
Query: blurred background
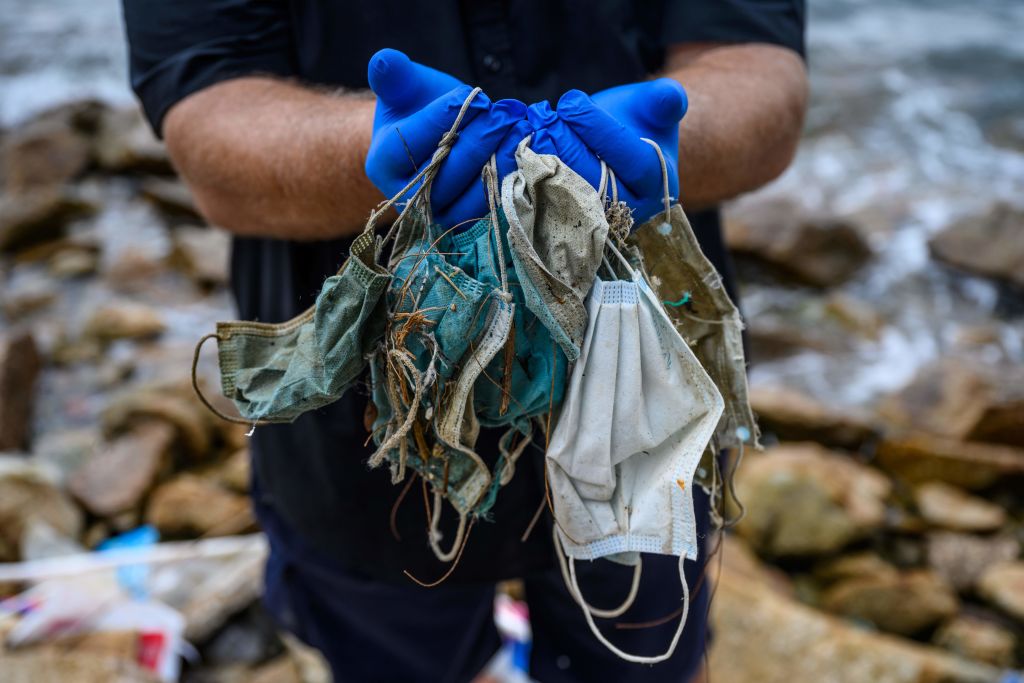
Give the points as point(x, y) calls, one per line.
point(883, 286)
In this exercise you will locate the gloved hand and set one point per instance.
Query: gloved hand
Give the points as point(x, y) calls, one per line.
point(416, 105)
point(611, 123)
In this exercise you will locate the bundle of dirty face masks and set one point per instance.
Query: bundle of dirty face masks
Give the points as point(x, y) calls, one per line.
point(551, 319)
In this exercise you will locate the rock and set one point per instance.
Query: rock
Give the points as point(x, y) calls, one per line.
point(803, 500)
point(37, 216)
point(988, 245)
point(192, 427)
point(133, 268)
point(809, 249)
point(250, 637)
point(189, 505)
point(961, 559)
point(963, 400)
point(118, 475)
point(51, 663)
point(125, 143)
point(978, 639)
point(27, 493)
point(919, 458)
point(46, 151)
point(236, 584)
point(203, 254)
point(20, 364)
point(234, 472)
point(72, 263)
point(124, 320)
point(905, 603)
point(172, 197)
point(859, 566)
point(794, 416)
point(65, 451)
point(948, 507)
point(771, 340)
point(1003, 586)
point(855, 315)
point(764, 637)
point(27, 293)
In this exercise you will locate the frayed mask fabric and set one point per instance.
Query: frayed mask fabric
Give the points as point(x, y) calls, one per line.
point(638, 412)
point(556, 235)
point(274, 373)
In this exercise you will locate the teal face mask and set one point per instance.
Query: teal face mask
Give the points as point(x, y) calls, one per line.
point(274, 373)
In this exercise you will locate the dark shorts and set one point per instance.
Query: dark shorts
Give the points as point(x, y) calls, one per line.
point(371, 630)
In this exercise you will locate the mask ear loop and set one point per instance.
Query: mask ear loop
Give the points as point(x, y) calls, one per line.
point(435, 531)
point(574, 589)
point(206, 402)
point(427, 174)
point(578, 597)
point(664, 176)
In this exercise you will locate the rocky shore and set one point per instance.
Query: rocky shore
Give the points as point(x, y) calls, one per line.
point(881, 541)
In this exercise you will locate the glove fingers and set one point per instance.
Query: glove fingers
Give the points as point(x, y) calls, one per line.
point(400, 151)
point(552, 136)
point(632, 159)
point(477, 142)
point(403, 86)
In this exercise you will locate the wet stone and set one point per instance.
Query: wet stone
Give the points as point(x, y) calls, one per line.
point(962, 558)
point(124, 320)
point(951, 508)
point(38, 216)
point(1003, 586)
point(20, 364)
point(904, 603)
point(804, 500)
point(794, 416)
point(988, 245)
point(119, 474)
point(978, 639)
point(27, 493)
point(189, 506)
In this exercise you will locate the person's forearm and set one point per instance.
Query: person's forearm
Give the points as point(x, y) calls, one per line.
point(746, 111)
point(270, 158)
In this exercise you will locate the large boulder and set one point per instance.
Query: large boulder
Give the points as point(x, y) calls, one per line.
point(28, 494)
point(961, 399)
point(119, 474)
point(961, 559)
point(124, 320)
point(804, 500)
point(918, 457)
point(190, 505)
point(38, 215)
point(978, 639)
point(794, 416)
point(124, 142)
point(989, 244)
point(173, 405)
point(764, 637)
point(904, 603)
point(20, 364)
point(51, 149)
point(948, 507)
point(203, 254)
point(1003, 586)
point(815, 250)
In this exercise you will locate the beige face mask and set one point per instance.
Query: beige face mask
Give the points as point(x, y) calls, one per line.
point(557, 229)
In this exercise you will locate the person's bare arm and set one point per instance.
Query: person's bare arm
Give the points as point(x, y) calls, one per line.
point(746, 111)
point(266, 157)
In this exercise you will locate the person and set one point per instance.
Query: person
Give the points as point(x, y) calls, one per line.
point(264, 109)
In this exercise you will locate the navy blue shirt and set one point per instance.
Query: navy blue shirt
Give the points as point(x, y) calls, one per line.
point(311, 475)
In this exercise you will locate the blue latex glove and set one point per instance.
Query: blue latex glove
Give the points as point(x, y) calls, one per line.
point(611, 123)
point(416, 105)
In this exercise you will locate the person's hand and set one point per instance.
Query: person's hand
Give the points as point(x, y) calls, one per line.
point(416, 106)
point(611, 125)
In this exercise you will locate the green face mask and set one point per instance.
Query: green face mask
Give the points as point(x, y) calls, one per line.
point(274, 373)
point(556, 234)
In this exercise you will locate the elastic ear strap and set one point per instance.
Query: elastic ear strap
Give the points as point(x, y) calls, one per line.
point(637, 659)
point(664, 175)
point(622, 259)
point(578, 596)
point(435, 531)
point(490, 176)
point(202, 397)
point(444, 147)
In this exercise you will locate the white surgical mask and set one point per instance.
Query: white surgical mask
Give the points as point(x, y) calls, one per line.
point(638, 413)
